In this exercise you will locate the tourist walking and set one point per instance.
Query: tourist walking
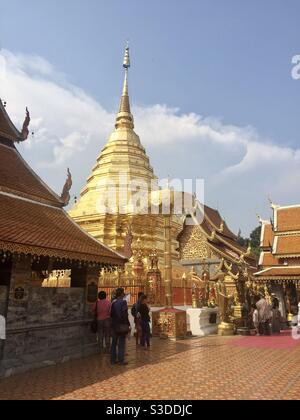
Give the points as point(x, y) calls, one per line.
point(120, 328)
point(276, 317)
point(255, 319)
point(145, 322)
point(102, 309)
point(135, 312)
point(2, 334)
point(264, 315)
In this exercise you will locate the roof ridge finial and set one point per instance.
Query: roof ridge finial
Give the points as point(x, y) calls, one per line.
point(126, 65)
point(272, 204)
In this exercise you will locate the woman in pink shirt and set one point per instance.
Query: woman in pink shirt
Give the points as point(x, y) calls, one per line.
point(103, 308)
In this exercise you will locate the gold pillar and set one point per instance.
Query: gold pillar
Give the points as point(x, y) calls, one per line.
point(168, 262)
point(184, 283)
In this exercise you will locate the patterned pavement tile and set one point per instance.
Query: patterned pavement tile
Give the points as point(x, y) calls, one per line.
point(208, 368)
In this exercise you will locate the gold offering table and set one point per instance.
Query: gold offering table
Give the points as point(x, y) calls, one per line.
point(169, 323)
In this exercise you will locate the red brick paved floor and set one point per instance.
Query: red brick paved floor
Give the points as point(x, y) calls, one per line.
point(207, 368)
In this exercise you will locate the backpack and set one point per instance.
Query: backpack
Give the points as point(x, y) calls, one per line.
point(134, 311)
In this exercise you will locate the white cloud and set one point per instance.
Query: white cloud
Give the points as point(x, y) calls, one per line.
point(71, 127)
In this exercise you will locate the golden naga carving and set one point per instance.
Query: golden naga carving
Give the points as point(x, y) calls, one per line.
point(213, 236)
point(25, 130)
point(221, 266)
point(65, 195)
point(221, 228)
point(242, 259)
point(229, 268)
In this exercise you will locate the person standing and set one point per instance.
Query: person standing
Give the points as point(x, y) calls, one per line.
point(102, 309)
point(276, 317)
point(120, 328)
point(135, 312)
point(145, 323)
point(255, 320)
point(2, 334)
point(264, 315)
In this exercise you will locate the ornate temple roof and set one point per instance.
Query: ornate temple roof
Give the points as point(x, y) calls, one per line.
point(282, 273)
point(18, 178)
point(220, 238)
point(32, 219)
point(280, 244)
point(267, 236)
point(287, 246)
point(34, 228)
point(215, 219)
point(287, 219)
point(267, 259)
point(8, 129)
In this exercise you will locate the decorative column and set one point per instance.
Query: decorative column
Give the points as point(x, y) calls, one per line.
point(168, 262)
point(184, 283)
point(153, 281)
point(169, 322)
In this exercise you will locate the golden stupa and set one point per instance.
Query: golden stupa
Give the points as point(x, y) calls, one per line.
point(122, 161)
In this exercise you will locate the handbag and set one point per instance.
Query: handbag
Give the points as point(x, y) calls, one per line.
point(94, 323)
point(121, 329)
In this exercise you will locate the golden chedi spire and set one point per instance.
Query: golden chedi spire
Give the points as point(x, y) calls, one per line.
point(124, 117)
point(123, 163)
point(122, 155)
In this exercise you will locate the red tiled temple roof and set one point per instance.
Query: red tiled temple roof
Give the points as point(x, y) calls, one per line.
point(287, 245)
point(283, 247)
point(32, 220)
point(17, 177)
point(268, 235)
point(268, 260)
point(7, 128)
point(216, 219)
point(29, 227)
point(279, 272)
point(288, 219)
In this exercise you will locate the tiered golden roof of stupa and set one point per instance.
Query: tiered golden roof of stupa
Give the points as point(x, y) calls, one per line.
point(123, 155)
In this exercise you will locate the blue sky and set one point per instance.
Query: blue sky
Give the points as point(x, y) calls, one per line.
point(219, 59)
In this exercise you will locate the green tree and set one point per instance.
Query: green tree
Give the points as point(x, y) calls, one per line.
point(255, 240)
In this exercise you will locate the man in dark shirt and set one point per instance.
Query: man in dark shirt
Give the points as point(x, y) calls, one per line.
point(145, 322)
point(120, 328)
point(135, 312)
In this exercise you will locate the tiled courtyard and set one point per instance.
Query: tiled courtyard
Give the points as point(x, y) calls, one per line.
point(207, 368)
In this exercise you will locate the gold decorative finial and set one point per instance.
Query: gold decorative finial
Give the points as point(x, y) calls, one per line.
point(125, 118)
point(126, 63)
